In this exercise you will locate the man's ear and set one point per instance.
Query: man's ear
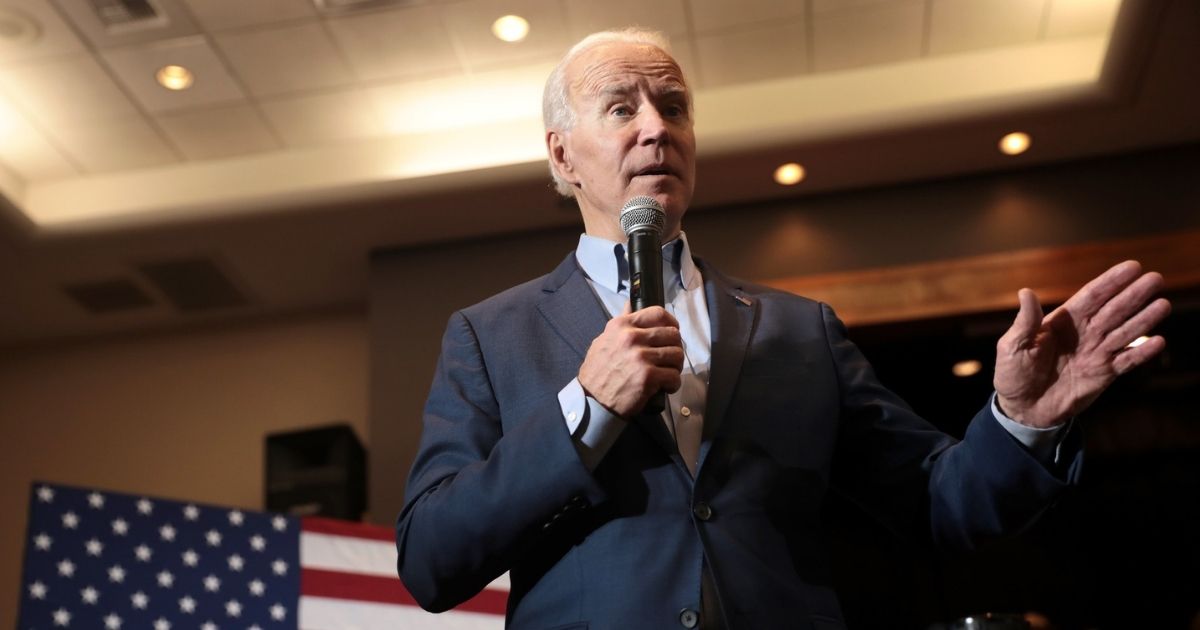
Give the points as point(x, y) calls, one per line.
point(560, 160)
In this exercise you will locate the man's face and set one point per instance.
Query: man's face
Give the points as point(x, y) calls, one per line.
point(633, 132)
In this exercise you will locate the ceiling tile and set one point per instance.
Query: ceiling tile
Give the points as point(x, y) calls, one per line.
point(32, 29)
point(174, 21)
point(825, 6)
point(116, 145)
point(217, 15)
point(470, 24)
point(218, 132)
point(66, 90)
point(963, 25)
point(716, 15)
point(25, 151)
point(286, 59)
point(754, 55)
point(482, 98)
point(135, 67)
point(323, 118)
point(588, 16)
point(866, 35)
point(395, 43)
point(1080, 18)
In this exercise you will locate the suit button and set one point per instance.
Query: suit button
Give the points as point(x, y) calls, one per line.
point(689, 618)
point(702, 511)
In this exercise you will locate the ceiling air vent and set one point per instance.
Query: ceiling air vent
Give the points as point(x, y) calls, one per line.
point(108, 296)
point(193, 285)
point(349, 6)
point(120, 16)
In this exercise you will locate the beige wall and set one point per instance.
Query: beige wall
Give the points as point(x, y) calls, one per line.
point(179, 415)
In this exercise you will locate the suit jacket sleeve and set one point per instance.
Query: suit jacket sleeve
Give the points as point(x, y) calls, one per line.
point(963, 493)
point(473, 502)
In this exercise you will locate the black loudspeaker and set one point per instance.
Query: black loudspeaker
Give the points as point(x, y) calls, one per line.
point(317, 472)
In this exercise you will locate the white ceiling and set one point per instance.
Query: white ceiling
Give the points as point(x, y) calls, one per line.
point(295, 112)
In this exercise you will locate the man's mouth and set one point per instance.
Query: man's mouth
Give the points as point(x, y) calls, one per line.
point(654, 170)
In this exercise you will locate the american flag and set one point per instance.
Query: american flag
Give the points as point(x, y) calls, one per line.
point(113, 561)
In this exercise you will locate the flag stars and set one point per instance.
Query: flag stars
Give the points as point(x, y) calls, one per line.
point(187, 605)
point(258, 543)
point(213, 537)
point(66, 568)
point(62, 617)
point(167, 532)
point(94, 547)
point(139, 600)
point(279, 567)
point(43, 542)
point(96, 500)
point(191, 512)
point(89, 595)
point(162, 624)
point(257, 588)
point(212, 583)
point(191, 558)
point(116, 574)
point(233, 608)
point(120, 527)
point(278, 612)
point(165, 579)
point(236, 518)
point(208, 625)
point(37, 590)
point(45, 494)
point(112, 622)
point(236, 563)
point(70, 520)
point(143, 553)
point(279, 523)
point(145, 507)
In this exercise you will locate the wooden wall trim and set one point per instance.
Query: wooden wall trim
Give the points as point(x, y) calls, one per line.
point(990, 283)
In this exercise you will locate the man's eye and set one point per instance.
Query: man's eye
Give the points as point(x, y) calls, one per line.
point(621, 110)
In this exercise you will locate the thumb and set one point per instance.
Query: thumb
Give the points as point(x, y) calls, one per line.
point(1028, 321)
point(627, 309)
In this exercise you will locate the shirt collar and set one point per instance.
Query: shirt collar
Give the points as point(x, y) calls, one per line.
point(605, 263)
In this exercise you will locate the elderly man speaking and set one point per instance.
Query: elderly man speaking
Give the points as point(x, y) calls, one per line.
point(540, 455)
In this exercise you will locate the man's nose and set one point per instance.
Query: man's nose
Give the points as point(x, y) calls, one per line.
point(653, 127)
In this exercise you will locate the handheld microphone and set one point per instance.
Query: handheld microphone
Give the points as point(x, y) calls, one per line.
point(642, 219)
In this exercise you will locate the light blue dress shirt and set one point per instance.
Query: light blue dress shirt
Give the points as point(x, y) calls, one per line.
point(594, 428)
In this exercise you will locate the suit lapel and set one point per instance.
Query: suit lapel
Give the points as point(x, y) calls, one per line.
point(732, 315)
point(571, 308)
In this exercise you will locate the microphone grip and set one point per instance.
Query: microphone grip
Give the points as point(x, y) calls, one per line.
point(646, 288)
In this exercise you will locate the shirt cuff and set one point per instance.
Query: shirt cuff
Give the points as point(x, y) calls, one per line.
point(593, 428)
point(1041, 443)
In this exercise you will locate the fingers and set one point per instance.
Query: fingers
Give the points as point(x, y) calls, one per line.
point(1132, 357)
point(1140, 324)
point(1027, 323)
point(1095, 294)
point(651, 317)
point(1126, 303)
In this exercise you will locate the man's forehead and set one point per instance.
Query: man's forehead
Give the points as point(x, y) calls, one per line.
point(607, 67)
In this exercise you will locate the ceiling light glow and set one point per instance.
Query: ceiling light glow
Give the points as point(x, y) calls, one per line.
point(174, 77)
point(963, 369)
point(789, 174)
point(510, 28)
point(1015, 143)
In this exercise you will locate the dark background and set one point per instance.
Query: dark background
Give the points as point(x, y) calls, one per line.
point(1122, 550)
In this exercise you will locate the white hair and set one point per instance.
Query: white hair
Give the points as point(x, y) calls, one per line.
point(557, 112)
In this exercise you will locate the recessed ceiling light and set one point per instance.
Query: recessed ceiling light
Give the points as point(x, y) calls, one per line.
point(174, 77)
point(963, 369)
point(510, 28)
point(789, 174)
point(1015, 143)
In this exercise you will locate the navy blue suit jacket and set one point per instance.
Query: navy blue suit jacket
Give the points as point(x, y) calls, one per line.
point(793, 411)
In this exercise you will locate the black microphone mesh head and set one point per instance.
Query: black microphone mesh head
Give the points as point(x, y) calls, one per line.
point(642, 213)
